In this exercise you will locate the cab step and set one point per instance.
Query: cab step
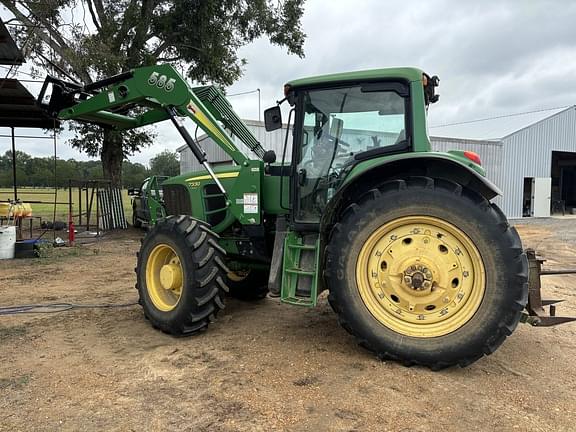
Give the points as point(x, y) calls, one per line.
point(300, 269)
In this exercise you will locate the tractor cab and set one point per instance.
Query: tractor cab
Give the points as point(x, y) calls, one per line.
point(344, 119)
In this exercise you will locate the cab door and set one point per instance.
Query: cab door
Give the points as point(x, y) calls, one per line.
point(339, 127)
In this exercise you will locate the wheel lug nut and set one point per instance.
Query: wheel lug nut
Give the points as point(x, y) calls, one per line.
point(407, 280)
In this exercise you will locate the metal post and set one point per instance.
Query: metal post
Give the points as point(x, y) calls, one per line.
point(70, 197)
point(80, 205)
point(90, 207)
point(259, 109)
point(71, 234)
point(14, 166)
point(87, 214)
point(97, 210)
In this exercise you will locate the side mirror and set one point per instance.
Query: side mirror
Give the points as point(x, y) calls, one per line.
point(273, 118)
point(336, 128)
point(269, 156)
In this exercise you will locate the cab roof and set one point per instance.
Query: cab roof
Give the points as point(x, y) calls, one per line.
point(407, 73)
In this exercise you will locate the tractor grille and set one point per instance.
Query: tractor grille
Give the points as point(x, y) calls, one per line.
point(177, 200)
point(215, 204)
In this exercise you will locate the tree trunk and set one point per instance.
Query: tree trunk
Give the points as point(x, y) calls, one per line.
point(112, 156)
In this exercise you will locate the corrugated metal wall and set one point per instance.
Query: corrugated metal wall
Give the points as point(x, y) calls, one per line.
point(490, 153)
point(528, 153)
point(269, 140)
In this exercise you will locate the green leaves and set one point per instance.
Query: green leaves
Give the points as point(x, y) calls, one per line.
point(165, 164)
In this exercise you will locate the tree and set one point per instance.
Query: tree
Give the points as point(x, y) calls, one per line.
point(23, 166)
point(39, 171)
point(200, 37)
point(133, 174)
point(165, 164)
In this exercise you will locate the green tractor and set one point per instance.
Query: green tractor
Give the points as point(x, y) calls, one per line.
point(419, 265)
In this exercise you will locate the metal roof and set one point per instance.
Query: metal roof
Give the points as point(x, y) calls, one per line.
point(18, 107)
point(495, 128)
point(9, 52)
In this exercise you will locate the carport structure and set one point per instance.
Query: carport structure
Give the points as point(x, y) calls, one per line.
point(18, 108)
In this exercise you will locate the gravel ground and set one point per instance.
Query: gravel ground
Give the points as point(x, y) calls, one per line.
point(260, 367)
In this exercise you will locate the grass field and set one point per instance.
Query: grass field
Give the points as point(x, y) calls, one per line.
point(46, 209)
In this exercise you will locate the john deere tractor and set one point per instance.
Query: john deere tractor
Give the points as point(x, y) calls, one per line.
point(419, 265)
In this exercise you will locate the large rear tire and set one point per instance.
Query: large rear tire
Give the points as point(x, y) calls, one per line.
point(426, 272)
point(181, 275)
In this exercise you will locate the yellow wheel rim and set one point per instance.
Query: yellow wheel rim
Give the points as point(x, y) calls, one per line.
point(164, 277)
point(420, 276)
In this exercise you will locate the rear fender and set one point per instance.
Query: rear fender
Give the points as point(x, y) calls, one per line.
point(369, 174)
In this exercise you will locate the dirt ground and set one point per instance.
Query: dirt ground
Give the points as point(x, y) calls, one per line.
point(260, 367)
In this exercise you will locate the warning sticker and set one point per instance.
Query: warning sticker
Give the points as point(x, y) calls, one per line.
point(250, 203)
point(250, 198)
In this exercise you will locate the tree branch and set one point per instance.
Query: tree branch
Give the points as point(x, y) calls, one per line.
point(164, 45)
point(93, 15)
point(127, 23)
point(48, 26)
point(101, 13)
point(63, 51)
point(142, 26)
point(168, 59)
point(160, 49)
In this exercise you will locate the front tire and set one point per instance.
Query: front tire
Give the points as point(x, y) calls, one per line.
point(426, 272)
point(181, 275)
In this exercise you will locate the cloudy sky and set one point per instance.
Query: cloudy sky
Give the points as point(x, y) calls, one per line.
point(494, 58)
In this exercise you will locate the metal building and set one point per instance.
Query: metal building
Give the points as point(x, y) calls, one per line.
point(535, 166)
point(538, 174)
point(216, 156)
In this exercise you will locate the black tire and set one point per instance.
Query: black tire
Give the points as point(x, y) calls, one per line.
point(253, 287)
point(204, 274)
point(136, 223)
point(506, 266)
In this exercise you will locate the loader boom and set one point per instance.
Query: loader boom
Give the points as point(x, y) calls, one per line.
point(150, 95)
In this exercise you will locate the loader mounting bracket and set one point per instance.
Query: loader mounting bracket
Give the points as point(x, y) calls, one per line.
point(536, 314)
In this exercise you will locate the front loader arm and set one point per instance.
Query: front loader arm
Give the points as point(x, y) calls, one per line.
point(146, 96)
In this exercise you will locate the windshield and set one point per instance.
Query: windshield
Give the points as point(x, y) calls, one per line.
point(339, 126)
